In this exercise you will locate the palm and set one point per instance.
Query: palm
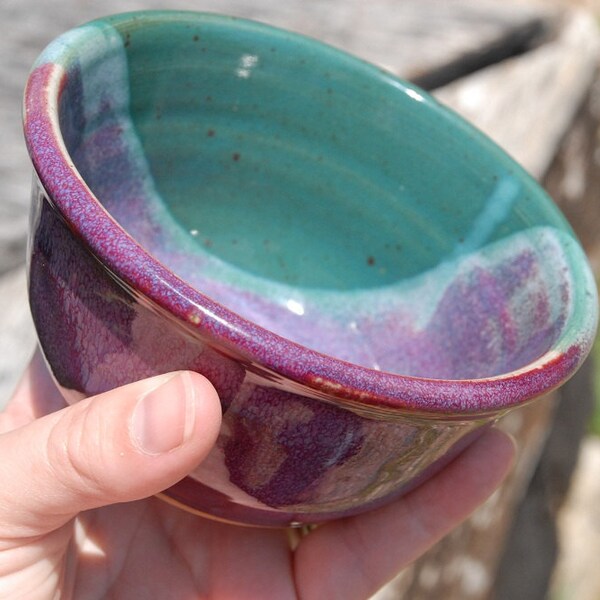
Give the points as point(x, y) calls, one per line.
point(162, 552)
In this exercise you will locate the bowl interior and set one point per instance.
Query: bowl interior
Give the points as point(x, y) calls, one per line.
point(319, 197)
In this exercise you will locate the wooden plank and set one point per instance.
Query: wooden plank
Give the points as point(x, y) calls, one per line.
point(526, 104)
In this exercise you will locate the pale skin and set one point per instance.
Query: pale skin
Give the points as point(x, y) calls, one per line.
point(78, 517)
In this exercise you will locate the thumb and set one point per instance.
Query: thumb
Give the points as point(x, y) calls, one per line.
point(122, 445)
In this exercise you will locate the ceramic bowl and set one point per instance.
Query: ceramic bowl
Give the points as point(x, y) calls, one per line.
point(367, 280)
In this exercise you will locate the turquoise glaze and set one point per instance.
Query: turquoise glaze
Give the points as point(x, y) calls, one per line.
point(342, 253)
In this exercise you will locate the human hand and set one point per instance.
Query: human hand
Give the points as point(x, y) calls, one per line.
point(77, 516)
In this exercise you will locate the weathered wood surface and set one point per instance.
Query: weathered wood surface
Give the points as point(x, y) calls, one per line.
point(527, 103)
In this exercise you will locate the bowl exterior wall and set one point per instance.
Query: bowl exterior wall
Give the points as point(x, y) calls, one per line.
point(286, 454)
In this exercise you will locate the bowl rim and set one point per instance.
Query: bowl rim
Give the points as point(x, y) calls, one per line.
point(266, 353)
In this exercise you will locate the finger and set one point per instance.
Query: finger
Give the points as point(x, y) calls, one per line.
point(120, 446)
point(354, 557)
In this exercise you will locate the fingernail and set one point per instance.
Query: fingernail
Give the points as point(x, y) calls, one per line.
point(163, 418)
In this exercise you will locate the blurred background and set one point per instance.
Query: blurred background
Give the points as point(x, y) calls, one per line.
point(466, 52)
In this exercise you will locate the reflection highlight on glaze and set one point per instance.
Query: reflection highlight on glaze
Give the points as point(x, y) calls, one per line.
point(247, 63)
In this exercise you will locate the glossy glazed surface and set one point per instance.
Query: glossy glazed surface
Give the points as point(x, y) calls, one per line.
point(359, 272)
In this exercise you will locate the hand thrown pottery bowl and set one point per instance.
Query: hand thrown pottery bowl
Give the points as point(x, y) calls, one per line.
point(366, 280)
